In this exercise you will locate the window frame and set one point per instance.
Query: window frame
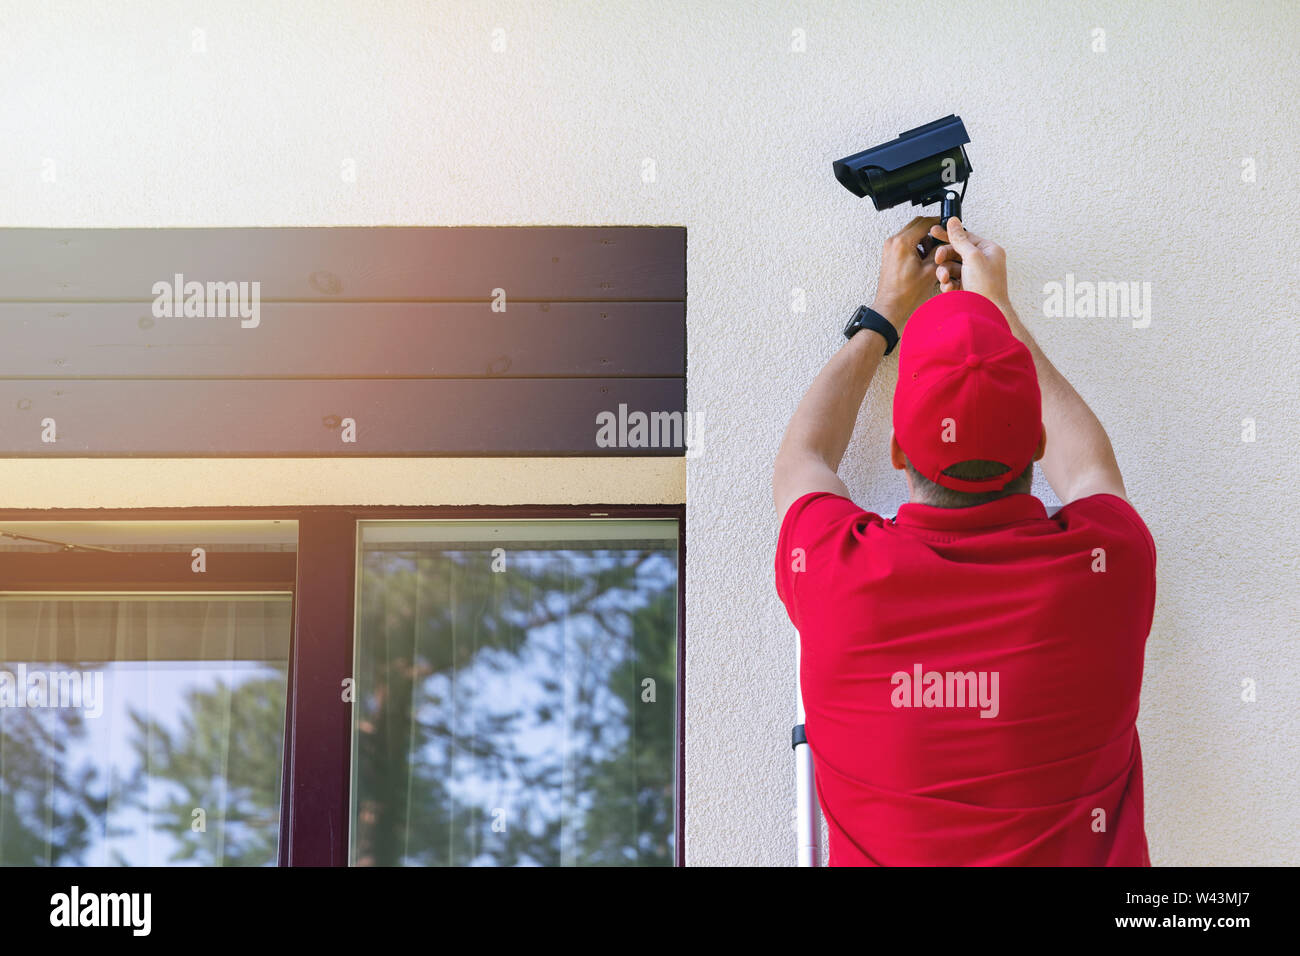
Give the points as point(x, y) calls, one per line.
point(317, 768)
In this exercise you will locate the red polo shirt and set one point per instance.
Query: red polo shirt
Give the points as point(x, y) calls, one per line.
point(970, 678)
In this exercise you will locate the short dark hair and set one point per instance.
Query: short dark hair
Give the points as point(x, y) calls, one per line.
point(927, 492)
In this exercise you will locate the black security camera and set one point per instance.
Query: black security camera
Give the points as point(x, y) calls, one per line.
point(922, 165)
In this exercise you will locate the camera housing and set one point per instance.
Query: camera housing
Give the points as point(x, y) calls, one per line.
point(921, 166)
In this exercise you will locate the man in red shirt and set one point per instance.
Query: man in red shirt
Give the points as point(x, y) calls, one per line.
point(970, 668)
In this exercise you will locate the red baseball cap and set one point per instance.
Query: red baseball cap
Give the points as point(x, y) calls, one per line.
point(967, 389)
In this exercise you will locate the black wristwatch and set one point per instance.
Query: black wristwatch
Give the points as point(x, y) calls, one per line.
point(866, 318)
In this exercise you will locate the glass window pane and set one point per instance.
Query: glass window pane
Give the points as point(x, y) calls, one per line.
point(516, 693)
point(142, 729)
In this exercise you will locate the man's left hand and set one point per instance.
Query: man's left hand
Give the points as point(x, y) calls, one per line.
point(907, 280)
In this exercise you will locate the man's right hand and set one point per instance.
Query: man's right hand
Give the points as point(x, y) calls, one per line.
point(1079, 460)
point(970, 263)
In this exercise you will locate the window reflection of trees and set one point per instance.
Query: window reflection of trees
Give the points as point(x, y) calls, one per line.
point(501, 715)
point(63, 803)
point(502, 720)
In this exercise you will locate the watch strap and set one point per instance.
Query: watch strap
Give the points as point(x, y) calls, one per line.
point(868, 318)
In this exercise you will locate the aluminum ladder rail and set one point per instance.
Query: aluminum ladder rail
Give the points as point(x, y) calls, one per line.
point(806, 810)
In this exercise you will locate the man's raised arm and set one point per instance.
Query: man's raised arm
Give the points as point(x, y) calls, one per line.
point(1079, 460)
point(819, 432)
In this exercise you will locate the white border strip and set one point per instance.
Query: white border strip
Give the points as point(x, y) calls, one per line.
point(251, 482)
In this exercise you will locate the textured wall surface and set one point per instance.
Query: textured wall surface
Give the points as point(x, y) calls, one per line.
point(1156, 151)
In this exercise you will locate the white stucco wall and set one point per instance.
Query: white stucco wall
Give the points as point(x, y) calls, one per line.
point(1125, 165)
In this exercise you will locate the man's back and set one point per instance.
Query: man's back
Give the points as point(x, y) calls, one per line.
point(971, 678)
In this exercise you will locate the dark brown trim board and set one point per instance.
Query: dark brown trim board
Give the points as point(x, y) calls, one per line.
point(303, 340)
point(345, 418)
point(343, 341)
point(352, 263)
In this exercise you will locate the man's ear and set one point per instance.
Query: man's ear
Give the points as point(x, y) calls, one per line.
point(896, 457)
point(1042, 445)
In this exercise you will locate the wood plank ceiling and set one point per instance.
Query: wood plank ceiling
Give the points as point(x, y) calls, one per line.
point(392, 330)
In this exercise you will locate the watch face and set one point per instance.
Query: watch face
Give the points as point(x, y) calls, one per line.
point(855, 322)
point(865, 319)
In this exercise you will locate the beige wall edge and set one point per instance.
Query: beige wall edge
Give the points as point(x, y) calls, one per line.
point(246, 482)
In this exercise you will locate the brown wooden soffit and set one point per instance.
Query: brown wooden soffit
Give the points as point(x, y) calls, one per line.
point(343, 341)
